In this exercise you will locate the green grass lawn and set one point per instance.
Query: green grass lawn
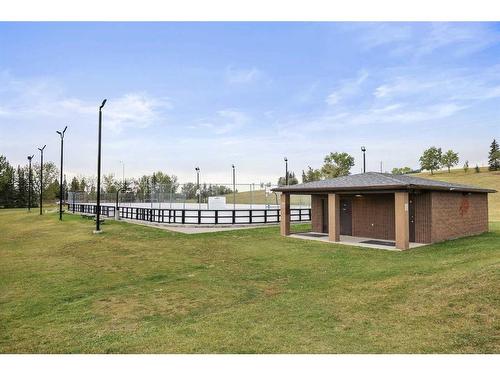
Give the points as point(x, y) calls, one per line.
point(146, 290)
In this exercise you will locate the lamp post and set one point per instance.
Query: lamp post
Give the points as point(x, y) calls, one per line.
point(286, 171)
point(98, 212)
point(363, 148)
point(198, 192)
point(41, 178)
point(234, 187)
point(123, 173)
point(61, 133)
point(29, 182)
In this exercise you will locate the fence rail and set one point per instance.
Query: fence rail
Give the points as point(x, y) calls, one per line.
point(194, 216)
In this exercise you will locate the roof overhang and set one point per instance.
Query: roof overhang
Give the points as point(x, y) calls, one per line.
point(375, 189)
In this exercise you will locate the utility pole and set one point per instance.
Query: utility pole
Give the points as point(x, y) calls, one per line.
point(198, 192)
point(98, 211)
point(61, 190)
point(234, 188)
point(41, 178)
point(29, 183)
point(363, 148)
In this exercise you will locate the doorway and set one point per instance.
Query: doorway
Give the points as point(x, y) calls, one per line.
point(411, 217)
point(346, 217)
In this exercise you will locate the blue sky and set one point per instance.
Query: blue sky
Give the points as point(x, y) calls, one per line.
point(182, 95)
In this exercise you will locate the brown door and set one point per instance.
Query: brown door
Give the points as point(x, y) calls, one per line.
point(411, 214)
point(346, 217)
point(324, 215)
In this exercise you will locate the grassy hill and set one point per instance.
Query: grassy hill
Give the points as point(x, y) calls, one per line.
point(136, 289)
point(259, 197)
point(485, 178)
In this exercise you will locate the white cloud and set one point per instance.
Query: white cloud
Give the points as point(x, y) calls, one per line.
point(347, 88)
point(42, 98)
point(223, 122)
point(242, 76)
point(421, 39)
point(333, 98)
point(134, 110)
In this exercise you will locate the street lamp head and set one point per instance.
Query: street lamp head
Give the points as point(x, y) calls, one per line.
point(286, 159)
point(30, 157)
point(103, 103)
point(232, 166)
point(43, 148)
point(363, 148)
point(197, 169)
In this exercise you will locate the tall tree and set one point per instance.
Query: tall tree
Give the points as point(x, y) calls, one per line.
point(337, 164)
point(292, 180)
point(110, 183)
point(65, 189)
point(50, 175)
point(311, 175)
point(494, 156)
point(449, 159)
point(403, 170)
point(431, 159)
point(22, 187)
point(7, 184)
point(75, 184)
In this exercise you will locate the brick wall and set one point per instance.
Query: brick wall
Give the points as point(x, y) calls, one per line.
point(458, 215)
point(373, 216)
point(423, 216)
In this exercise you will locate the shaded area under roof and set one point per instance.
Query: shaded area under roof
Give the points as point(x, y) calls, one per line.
point(378, 181)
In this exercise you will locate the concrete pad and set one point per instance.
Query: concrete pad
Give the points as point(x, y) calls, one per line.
point(349, 240)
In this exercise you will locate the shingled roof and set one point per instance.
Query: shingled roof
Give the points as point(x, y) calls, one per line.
point(378, 181)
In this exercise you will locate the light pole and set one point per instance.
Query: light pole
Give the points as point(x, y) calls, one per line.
point(61, 177)
point(29, 183)
point(286, 171)
point(98, 212)
point(123, 173)
point(234, 187)
point(198, 192)
point(363, 148)
point(41, 178)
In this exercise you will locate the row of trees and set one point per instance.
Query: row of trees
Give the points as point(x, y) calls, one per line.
point(14, 184)
point(433, 159)
point(335, 164)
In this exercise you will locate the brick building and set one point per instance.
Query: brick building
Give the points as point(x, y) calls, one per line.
point(386, 207)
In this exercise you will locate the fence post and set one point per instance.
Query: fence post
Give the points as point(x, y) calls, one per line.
point(216, 216)
point(199, 216)
point(234, 216)
point(183, 216)
point(250, 216)
point(265, 216)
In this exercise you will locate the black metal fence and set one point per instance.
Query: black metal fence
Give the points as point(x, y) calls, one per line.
point(194, 216)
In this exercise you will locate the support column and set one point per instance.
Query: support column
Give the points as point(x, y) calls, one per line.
point(317, 213)
point(285, 214)
point(402, 225)
point(334, 217)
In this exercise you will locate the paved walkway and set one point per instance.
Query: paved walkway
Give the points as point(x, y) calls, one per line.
point(352, 241)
